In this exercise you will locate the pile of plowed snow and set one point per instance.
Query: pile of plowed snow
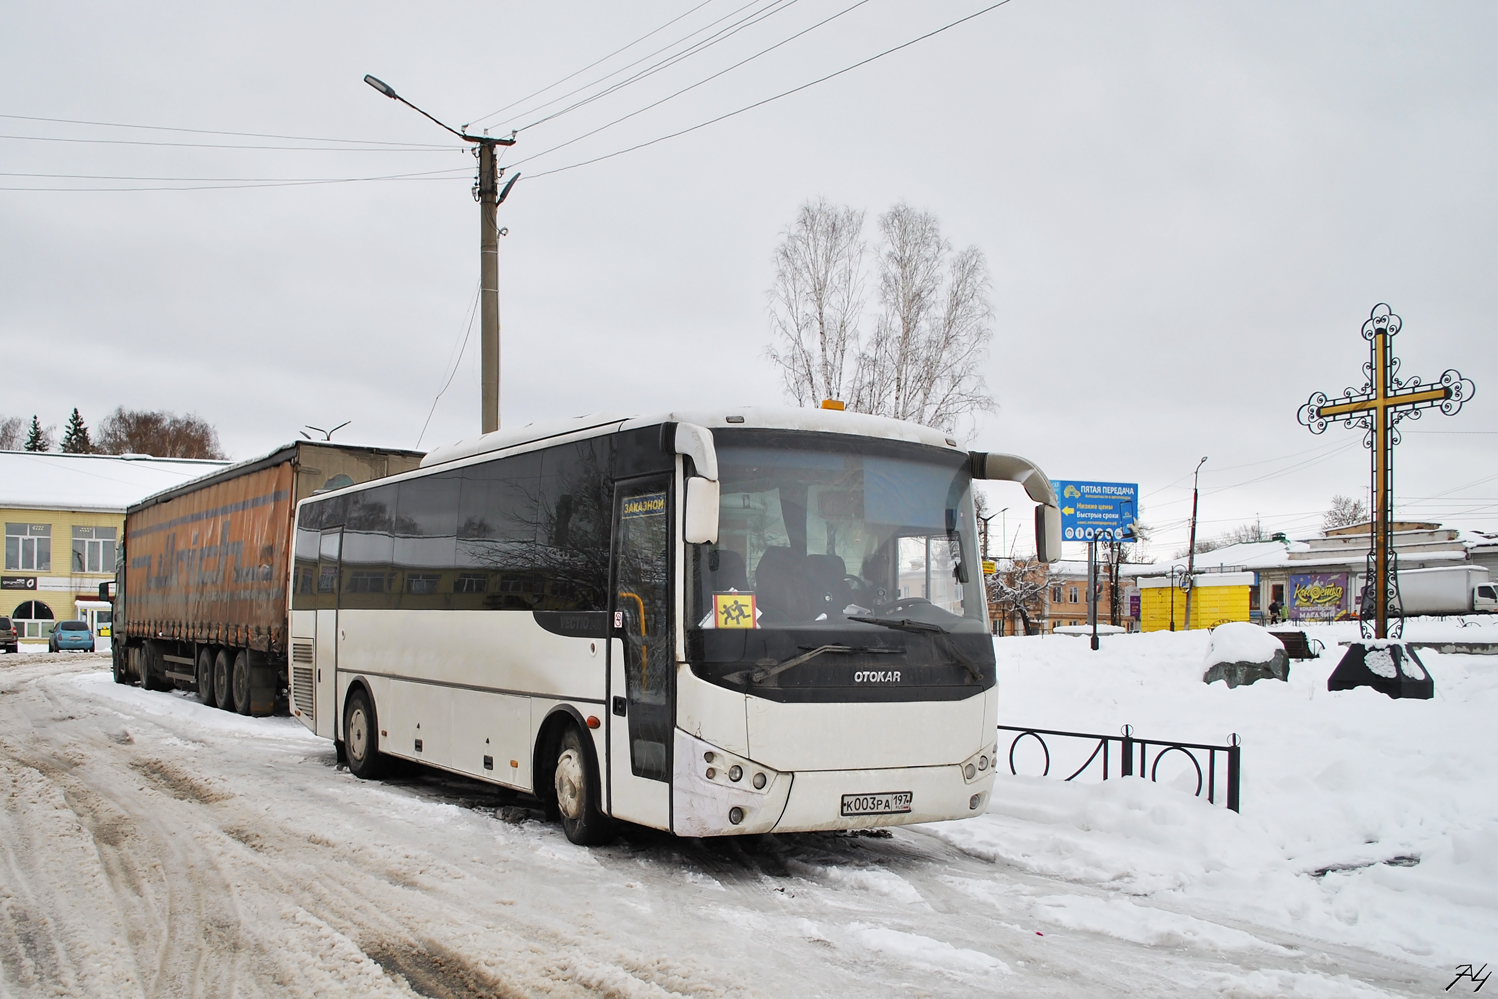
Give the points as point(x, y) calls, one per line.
point(1365, 820)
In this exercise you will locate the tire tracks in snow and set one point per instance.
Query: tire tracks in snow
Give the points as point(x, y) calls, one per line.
point(219, 889)
point(180, 853)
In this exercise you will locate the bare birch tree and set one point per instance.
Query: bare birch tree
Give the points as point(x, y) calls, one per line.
point(818, 300)
point(922, 360)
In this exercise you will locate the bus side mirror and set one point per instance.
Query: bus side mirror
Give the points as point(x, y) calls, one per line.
point(700, 516)
point(1047, 533)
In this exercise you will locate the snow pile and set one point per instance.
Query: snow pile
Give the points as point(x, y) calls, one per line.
point(1241, 642)
point(1365, 821)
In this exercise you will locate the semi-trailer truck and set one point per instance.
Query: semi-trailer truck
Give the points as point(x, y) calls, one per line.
point(200, 598)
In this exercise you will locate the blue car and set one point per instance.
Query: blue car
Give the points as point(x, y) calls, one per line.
point(70, 636)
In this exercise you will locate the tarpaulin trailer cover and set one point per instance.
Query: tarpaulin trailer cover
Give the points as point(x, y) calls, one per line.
point(207, 561)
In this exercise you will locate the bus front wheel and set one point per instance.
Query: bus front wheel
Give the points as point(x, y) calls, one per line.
point(577, 785)
point(361, 736)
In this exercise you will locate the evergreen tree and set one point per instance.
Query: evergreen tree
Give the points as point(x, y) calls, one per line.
point(37, 439)
point(75, 439)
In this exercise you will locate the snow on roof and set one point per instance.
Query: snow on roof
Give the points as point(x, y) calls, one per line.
point(1248, 555)
point(101, 483)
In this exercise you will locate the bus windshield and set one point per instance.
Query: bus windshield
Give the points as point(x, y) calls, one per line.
point(864, 544)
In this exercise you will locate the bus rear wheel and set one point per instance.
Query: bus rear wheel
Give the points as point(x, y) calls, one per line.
point(361, 736)
point(576, 781)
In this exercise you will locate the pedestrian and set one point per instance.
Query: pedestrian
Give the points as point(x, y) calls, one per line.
point(1274, 612)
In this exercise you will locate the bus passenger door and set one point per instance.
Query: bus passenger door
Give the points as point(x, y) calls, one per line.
point(329, 573)
point(640, 702)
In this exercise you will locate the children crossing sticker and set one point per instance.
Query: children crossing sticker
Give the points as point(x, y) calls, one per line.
point(734, 610)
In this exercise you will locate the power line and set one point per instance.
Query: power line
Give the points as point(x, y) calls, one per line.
point(212, 131)
point(672, 60)
point(648, 56)
point(1323, 446)
point(231, 145)
point(623, 48)
point(472, 309)
point(768, 100)
point(227, 180)
point(693, 86)
point(452, 174)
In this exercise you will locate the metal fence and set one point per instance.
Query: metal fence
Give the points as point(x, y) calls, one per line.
point(1141, 757)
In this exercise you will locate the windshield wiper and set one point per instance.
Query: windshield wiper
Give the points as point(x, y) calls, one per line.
point(769, 667)
point(939, 636)
point(901, 624)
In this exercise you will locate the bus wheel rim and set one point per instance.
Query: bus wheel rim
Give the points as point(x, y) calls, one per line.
point(357, 734)
point(569, 781)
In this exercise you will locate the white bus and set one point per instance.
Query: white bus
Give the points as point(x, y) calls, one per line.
point(707, 623)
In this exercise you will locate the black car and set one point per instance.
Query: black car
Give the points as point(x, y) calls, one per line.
point(8, 638)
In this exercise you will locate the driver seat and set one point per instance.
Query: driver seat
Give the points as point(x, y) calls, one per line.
point(828, 590)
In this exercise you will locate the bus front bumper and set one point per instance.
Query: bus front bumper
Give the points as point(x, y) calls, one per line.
point(709, 800)
point(867, 799)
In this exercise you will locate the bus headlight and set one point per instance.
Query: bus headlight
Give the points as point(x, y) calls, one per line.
point(716, 793)
point(980, 764)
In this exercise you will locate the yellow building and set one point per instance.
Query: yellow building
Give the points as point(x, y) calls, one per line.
point(1218, 597)
point(63, 515)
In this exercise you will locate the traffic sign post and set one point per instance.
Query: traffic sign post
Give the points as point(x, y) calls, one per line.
point(1097, 511)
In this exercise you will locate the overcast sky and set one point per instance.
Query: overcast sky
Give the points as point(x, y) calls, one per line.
point(1188, 209)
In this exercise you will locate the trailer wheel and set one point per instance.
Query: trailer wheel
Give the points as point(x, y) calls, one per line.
point(205, 676)
point(153, 667)
point(223, 680)
point(241, 679)
point(361, 736)
point(577, 790)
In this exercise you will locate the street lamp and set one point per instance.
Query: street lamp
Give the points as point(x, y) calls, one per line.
point(489, 198)
point(1179, 579)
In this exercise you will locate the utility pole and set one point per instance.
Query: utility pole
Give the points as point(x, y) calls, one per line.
point(488, 199)
point(985, 521)
point(489, 196)
point(1191, 551)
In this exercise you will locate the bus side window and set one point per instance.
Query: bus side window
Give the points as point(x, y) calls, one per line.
point(426, 535)
point(575, 512)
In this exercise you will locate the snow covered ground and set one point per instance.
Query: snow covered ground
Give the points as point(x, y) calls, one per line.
point(151, 846)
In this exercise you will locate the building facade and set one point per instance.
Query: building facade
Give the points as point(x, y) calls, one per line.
point(63, 515)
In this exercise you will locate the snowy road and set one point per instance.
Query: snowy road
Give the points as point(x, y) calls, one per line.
point(151, 846)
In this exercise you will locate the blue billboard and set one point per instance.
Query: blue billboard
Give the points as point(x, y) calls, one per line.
point(1097, 511)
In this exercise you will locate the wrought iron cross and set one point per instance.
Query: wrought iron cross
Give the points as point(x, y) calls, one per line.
point(1384, 400)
